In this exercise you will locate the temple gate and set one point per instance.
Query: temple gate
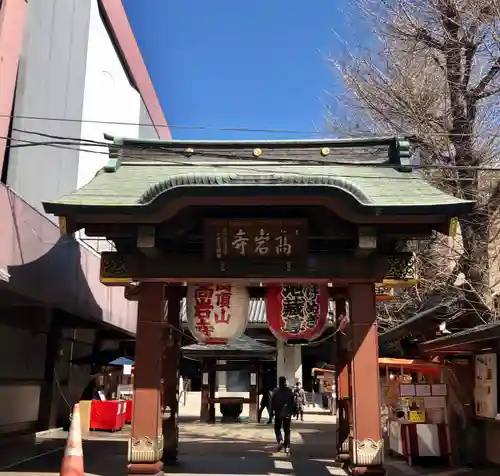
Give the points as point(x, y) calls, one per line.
point(335, 213)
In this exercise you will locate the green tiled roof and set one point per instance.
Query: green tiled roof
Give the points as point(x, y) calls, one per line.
point(137, 184)
point(141, 171)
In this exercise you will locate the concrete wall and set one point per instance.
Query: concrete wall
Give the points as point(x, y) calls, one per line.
point(12, 21)
point(21, 376)
point(71, 71)
point(35, 262)
point(51, 84)
point(23, 347)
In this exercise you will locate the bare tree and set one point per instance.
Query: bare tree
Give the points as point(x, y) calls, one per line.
point(432, 74)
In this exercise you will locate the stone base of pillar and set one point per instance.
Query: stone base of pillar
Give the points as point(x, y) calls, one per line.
point(343, 457)
point(343, 454)
point(367, 470)
point(145, 469)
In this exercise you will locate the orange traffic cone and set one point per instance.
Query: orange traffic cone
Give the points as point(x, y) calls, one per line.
point(72, 464)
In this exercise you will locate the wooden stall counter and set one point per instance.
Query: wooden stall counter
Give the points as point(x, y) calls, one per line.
point(416, 440)
point(416, 411)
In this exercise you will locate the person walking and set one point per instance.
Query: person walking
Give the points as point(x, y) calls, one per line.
point(282, 408)
point(300, 401)
point(265, 402)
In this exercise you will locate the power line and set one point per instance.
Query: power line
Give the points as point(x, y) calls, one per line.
point(160, 126)
point(323, 133)
point(64, 142)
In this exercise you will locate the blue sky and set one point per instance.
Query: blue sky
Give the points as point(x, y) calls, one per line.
point(259, 64)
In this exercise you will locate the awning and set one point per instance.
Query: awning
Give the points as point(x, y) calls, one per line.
point(104, 358)
point(121, 361)
point(411, 365)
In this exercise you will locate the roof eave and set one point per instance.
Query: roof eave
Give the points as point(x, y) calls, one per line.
point(473, 336)
point(413, 323)
point(70, 210)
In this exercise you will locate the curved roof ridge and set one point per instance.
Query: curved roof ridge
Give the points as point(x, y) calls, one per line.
point(194, 179)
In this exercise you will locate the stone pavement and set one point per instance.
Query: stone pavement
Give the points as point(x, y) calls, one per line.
point(220, 449)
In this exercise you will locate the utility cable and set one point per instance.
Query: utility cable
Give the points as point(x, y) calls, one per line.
point(215, 128)
point(238, 160)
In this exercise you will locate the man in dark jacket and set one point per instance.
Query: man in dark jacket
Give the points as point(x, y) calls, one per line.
point(265, 403)
point(282, 408)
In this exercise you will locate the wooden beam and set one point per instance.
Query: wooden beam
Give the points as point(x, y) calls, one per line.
point(132, 292)
point(122, 268)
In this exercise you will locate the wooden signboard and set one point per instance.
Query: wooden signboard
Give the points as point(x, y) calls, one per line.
point(255, 239)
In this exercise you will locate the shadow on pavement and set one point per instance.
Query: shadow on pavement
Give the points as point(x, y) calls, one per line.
point(26, 447)
point(108, 458)
point(220, 449)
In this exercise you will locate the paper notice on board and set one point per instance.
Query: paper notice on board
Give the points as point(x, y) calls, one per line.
point(423, 390)
point(417, 417)
point(407, 390)
point(439, 390)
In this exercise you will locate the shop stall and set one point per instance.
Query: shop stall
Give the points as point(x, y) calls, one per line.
point(106, 405)
point(415, 401)
point(325, 379)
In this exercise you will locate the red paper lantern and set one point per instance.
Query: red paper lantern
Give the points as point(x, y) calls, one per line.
point(297, 312)
point(217, 313)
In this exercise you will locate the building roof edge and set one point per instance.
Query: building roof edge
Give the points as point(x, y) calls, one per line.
point(121, 30)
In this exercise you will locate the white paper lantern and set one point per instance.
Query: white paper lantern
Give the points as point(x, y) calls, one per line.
point(217, 313)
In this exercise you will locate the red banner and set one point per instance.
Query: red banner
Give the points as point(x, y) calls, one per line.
point(297, 312)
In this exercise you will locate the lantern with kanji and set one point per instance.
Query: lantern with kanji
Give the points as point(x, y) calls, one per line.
point(297, 312)
point(217, 313)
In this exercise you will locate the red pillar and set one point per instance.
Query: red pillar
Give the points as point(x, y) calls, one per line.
point(145, 447)
point(342, 382)
point(366, 444)
point(171, 364)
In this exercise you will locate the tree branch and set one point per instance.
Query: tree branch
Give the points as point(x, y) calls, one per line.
point(487, 78)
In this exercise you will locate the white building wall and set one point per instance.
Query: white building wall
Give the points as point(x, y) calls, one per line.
point(289, 362)
point(48, 100)
point(69, 74)
point(109, 100)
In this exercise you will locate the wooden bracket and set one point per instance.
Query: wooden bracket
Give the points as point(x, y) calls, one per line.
point(146, 241)
point(367, 241)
